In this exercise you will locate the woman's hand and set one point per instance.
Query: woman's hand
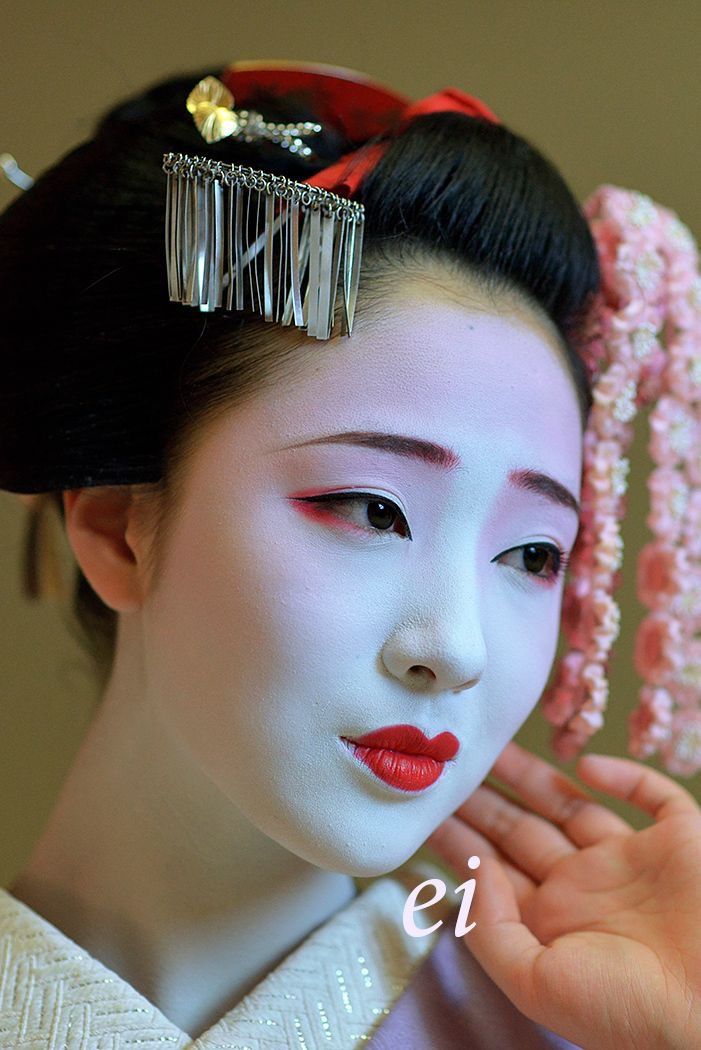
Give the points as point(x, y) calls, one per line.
point(589, 927)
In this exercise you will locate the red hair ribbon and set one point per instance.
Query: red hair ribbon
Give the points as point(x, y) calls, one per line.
point(346, 174)
point(360, 107)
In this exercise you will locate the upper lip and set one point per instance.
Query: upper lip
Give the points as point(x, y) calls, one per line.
point(411, 740)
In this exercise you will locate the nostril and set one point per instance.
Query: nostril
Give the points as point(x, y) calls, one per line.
point(420, 673)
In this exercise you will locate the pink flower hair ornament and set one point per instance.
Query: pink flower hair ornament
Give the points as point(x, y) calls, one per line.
point(641, 344)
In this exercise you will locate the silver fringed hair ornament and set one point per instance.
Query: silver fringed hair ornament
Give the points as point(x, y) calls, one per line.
point(306, 231)
point(241, 238)
point(244, 239)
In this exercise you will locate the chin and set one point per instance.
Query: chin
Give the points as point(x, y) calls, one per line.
point(358, 857)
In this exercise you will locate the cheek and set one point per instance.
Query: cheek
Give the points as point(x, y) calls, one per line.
point(521, 654)
point(247, 618)
point(523, 638)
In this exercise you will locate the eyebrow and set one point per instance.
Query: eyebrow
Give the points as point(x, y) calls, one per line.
point(445, 459)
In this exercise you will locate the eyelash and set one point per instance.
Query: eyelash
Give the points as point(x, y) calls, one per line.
point(561, 556)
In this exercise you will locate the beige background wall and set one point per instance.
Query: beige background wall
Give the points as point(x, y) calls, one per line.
point(609, 90)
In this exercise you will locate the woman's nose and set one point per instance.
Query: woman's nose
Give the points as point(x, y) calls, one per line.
point(439, 653)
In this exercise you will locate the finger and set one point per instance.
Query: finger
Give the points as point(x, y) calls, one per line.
point(557, 797)
point(530, 842)
point(455, 842)
point(503, 945)
point(648, 789)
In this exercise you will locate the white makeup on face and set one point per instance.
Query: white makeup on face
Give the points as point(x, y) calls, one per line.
point(282, 626)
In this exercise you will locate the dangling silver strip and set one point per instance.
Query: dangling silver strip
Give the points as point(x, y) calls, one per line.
point(355, 273)
point(296, 268)
point(326, 265)
point(304, 242)
point(201, 243)
point(184, 246)
point(246, 241)
point(191, 191)
point(314, 271)
point(347, 259)
point(172, 239)
point(168, 234)
point(268, 256)
point(229, 238)
point(171, 254)
point(282, 260)
point(205, 246)
point(255, 255)
point(339, 228)
point(179, 253)
point(195, 193)
point(303, 265)
point(238, 244)
point(217, 269)
point(291, 260)
point(179, 213)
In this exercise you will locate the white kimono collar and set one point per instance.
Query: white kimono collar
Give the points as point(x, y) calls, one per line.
point(332, 991)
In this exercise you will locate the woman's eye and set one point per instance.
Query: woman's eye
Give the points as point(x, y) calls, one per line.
point(544, 561)
point(372, 513)
point(364, 510)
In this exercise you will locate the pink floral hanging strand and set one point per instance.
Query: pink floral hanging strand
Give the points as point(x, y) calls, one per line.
point(641, 344)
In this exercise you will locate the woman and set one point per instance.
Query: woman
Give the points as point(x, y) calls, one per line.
point(285, 547)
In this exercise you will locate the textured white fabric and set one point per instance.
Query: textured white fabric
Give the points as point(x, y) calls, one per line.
point(333, 991)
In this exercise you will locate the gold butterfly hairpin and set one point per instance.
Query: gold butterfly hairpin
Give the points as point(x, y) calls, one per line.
point(212, 107)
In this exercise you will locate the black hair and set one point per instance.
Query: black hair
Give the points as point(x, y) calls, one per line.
point(105, 378)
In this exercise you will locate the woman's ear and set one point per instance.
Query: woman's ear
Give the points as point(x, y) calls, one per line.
point(100, 528)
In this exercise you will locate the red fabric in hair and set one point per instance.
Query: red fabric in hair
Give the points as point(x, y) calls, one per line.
point(357, 105)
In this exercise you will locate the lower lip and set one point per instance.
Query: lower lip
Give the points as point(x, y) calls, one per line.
point(397, 768)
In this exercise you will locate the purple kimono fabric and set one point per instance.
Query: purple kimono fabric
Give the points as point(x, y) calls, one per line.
point(451, 1004)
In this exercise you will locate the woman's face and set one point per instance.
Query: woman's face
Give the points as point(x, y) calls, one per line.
point(285, 624)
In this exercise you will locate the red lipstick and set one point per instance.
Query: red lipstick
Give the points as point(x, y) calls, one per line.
point(403, 756)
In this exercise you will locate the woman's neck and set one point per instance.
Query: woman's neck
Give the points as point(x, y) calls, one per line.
point(148, 867)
